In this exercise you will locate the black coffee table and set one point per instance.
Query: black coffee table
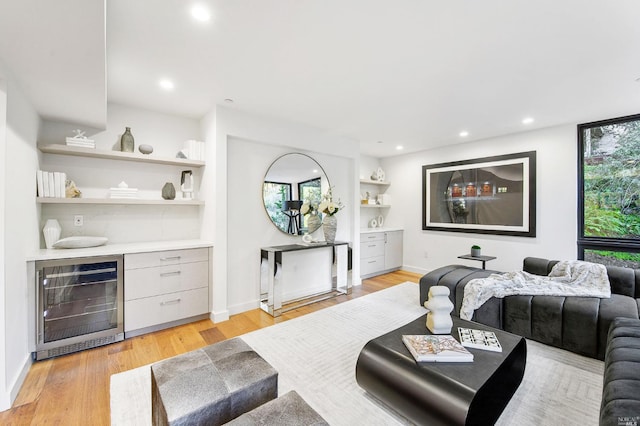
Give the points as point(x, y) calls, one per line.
point(473, 393)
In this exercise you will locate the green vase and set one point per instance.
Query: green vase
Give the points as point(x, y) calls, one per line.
point(126, 141)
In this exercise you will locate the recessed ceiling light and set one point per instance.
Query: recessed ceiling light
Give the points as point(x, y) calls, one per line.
point(200, 13)
point(527, 120)
point(166, 84)
point(399, 147)
point(380, 142)
point(464, 134)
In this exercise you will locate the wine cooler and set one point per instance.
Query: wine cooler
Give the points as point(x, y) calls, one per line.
point(79, 304)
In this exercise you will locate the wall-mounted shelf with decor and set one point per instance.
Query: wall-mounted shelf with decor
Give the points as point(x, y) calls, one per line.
point(117, 155)
point(375, 206)
point(374, 182)
point(118, 201)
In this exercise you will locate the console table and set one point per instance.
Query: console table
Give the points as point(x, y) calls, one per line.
point(274, 259)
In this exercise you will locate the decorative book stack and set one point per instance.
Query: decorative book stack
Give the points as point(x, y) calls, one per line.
point(51, 184)
point(123, 191)
point(432, 348)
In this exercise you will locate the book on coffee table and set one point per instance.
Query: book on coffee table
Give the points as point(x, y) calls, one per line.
point(436, 348)
point(479, 339)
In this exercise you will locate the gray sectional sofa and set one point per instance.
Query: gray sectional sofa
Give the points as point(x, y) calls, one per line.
point(577, 324)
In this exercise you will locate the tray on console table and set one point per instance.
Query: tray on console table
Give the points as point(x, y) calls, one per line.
point(442, 393)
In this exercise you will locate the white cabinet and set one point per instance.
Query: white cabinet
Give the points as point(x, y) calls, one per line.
point(393, 250)
point(165, 288)
point(380, 252)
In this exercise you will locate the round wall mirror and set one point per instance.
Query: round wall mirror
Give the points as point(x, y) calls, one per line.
point(291, 192)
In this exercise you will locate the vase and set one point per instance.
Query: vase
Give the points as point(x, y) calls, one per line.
point(51, 232)
point(329, 226)
point(313, 223)
point(168, 191)
point(475, 252)
point(126, 141)
point(440, 306)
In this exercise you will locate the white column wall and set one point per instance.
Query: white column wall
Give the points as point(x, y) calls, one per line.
point(556, 235)
point(19, 232)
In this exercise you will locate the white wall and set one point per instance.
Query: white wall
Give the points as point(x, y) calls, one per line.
point(556, 203)
point(94, 177)
point(237, 246)
point(20, 234)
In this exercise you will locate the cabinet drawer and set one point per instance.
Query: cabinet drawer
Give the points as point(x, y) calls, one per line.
point(371, 265)
point(371, 236)
point(371, 249)
point(147, 282)
point(161, 258)
point(156, 310)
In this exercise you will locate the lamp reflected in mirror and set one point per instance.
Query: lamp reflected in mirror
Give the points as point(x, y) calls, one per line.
point(291, 192)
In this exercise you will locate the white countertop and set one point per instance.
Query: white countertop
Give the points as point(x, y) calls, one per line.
point(370, 230)
point(111, 249)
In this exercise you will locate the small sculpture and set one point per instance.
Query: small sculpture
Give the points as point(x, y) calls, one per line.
point(186, 184)
point(439, 317)
point(168, 191)
point(71, 190)
point(145, 149)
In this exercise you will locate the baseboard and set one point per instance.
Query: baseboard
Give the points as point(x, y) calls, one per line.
point(219, 316)
point(10, 395)
point(415, 269)
point(243, 307)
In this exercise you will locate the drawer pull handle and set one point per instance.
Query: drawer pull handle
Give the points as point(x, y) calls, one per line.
point(372, 245)
point(164, 259)
point(168, 274)
point(373, 261)
point(170, 302)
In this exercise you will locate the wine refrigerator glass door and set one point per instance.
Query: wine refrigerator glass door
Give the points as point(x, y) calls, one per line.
point(80, 304)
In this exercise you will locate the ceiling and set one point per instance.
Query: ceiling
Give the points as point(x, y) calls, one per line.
point(408, 72)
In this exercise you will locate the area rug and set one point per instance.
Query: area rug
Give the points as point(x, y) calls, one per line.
point(316, 355)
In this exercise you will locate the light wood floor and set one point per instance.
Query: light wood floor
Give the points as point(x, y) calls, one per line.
point(74, 389)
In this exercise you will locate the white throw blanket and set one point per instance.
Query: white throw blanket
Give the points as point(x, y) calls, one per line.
point(567, 278)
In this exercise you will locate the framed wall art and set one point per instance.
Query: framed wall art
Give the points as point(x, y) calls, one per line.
point(492, 195)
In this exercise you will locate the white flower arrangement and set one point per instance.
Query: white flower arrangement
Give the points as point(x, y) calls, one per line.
point(308, 208)
point(328, 206)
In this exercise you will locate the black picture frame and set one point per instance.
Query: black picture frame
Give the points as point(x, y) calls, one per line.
point(490, 195)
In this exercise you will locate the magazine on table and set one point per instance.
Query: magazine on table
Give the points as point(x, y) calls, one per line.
point(436, 348)
point(479, 339)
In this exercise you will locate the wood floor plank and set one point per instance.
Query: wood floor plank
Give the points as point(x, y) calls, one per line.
point(74, 389)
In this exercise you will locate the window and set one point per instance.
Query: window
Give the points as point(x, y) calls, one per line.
point(274, 195)
point(609, 191)
point(310, 192)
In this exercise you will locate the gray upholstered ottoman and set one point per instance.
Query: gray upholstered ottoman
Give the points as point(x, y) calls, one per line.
point(211, 386)
point(288, 410)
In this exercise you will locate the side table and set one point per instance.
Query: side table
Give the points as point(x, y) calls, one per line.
point(483, 259)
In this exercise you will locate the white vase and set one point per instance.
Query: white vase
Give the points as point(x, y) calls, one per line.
point(439, 305)
point(313, 223)
point(329, 226)
point(51, 232)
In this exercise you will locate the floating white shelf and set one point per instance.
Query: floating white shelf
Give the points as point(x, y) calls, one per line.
point(117, 155)
point(118, 201)
point(374, 182)
point(375, 206)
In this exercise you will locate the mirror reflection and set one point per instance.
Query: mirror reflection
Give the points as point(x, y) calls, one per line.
point(291, 192)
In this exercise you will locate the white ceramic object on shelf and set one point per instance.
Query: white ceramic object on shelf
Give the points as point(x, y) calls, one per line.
point(51, 232)
point(380, 174)
point(380, 221)
point(80, 242)
point(373, 223)
point(439, 305)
